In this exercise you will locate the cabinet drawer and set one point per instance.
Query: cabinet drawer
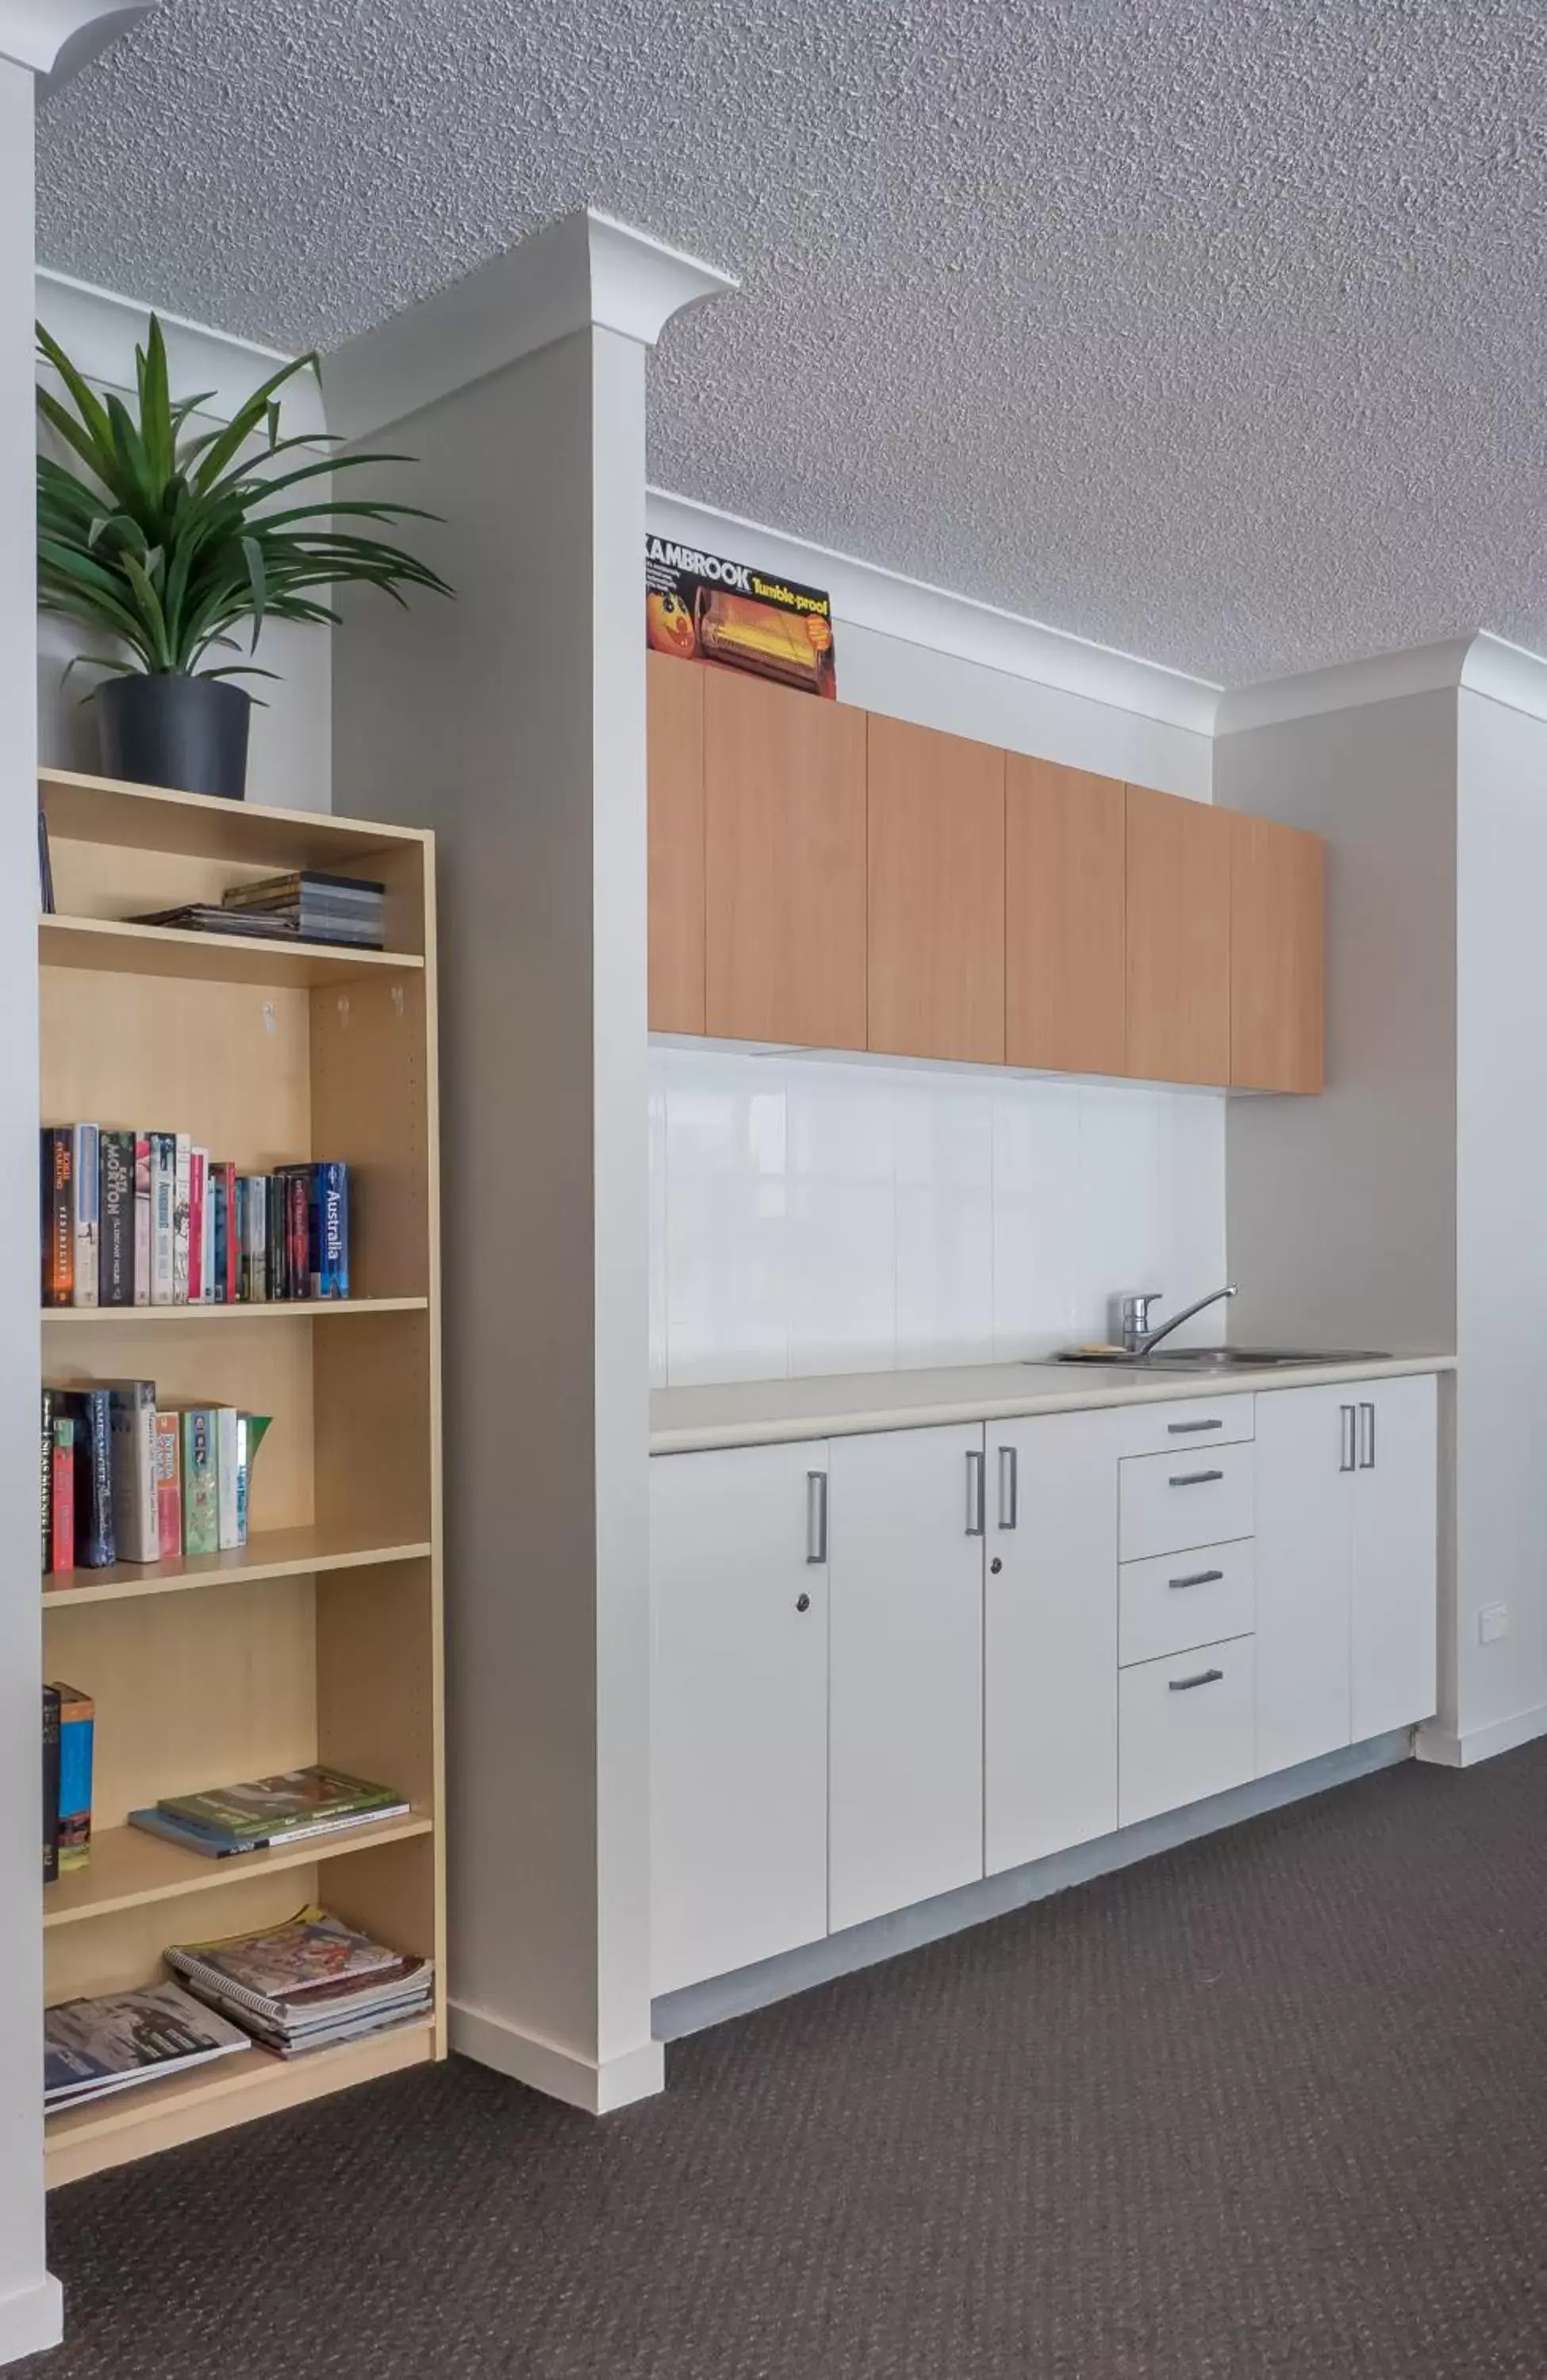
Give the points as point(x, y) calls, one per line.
point(1201, 1496)
point(1191, 1421)
point(1176, 1600)
point(1185, 1729)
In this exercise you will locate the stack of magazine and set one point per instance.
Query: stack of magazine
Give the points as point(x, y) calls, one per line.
point(303, 907)
point(309, 1984)
point(267, 1812)
point(93, 2047)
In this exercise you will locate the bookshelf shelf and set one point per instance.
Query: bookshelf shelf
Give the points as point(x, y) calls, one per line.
point(119, 947)
point(82, 2139)
point(325, 1642)
point(274, 1553)
point(290, 1309)
point(129, 1868)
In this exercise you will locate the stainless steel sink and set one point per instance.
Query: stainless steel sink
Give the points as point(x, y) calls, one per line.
point(1219, 1359)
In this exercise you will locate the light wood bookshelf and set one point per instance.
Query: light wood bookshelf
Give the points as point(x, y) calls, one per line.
point(322, 1638)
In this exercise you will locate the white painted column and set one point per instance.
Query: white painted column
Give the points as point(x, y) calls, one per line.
point(512, 722)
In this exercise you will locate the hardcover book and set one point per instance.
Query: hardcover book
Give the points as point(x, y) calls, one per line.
point(170, 1489)
point(47, 1481)
point(227, 1466)
point(197, 1161)
point(163, 1217)
point(133, 1421)
point(91, 1410)
point(255, 1238)
point(201, 1483)
point(58, 1215)
point(77, 1727)
point(87, 1187)
point(142, 1219)
point(115, 1219)
point(183, 1163)
point(50, 1784)
point(62, 1542)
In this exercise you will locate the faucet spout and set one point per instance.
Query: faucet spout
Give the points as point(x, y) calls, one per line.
point(1151, 1339)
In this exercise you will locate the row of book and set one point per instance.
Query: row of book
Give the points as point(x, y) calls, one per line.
point(311, 1983)
point(68, 1740)
point(123, 1480)
point(302, 907)
point(145, 1218)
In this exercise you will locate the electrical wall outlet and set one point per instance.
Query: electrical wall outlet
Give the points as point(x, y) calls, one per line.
point(1493, 1621)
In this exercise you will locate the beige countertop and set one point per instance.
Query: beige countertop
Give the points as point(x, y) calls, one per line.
point(770, 1413)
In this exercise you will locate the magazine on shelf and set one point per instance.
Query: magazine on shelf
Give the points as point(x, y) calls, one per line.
point(93, 2047)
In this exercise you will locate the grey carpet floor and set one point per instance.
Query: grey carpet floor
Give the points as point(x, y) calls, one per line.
point(1274, 2104)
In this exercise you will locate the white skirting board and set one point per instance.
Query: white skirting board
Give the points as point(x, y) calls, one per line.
point(599, 2089)
point(701, 2005)
point(1437, 1745)
point(31, 2319)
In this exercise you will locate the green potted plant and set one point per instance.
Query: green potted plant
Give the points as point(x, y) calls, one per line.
point(170, 539)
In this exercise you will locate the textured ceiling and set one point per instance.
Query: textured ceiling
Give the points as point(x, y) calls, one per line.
point(1209, 329)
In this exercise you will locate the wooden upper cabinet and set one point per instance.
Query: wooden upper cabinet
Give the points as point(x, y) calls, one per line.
point(1064, 836)
point(936, 938)
point(1276, 959)
point(783, 864)
point(1177, 931)
point(675, 772)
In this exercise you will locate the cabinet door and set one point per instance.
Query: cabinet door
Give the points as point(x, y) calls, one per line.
point(936, 895)
point(1304, 1572)
point(1177, 927)
point(1050, 1636)
point(1276, 961)
point(738, 1708)
point(1065, 1000)
point(905, 1744)
point(675, 776)
point(1395, 1529)
point(784, 864)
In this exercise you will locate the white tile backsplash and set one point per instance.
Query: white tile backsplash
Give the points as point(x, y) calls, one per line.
point(811, 1216)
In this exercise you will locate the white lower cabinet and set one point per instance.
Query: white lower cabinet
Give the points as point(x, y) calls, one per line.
point(906, 1650)
point(1050, 1636)
point(1186, 1728)
point(738, 1708)
point(1347, 1624)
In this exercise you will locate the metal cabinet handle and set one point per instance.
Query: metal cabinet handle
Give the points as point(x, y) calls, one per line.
point(1009, 1488)
point(1198, 1578)
point(1187, 1428)
point(816, 1516)
point(1192, 1478)
point(1346, 1438)
point(1204, 1678)
point(1366, 1438)
point(977, 1516)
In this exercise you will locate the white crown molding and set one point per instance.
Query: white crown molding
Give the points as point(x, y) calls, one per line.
point(584, 271)
point(869, 597)
point(1481, 663)
point(1507, 674)
point(38, 33)
point(100, 330)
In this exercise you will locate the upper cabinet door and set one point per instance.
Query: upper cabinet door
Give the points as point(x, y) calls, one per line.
point(936, 895)
point(1178, 938)
point(1065, 1002)
point(784, 864)
point(675, 695)
point(1275, 956)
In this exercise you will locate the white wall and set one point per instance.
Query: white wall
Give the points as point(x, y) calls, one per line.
point(1500, 1217)
point(809, 1215)
point(29, 2301)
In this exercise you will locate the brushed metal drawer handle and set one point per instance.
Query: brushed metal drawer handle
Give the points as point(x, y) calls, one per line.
point(1193, 1478)
point(1198, 1578)
point(1204, 1678)
point(1184, 1429)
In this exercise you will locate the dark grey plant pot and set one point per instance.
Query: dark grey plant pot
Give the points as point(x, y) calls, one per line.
point(189, 732)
